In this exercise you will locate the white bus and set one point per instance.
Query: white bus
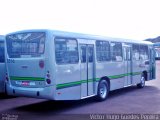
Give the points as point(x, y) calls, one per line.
point(2, 65)
point(61, 65)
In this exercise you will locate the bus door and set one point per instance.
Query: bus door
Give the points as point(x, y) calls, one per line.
point(152, 64)
point(87, 69)
point(128, 65)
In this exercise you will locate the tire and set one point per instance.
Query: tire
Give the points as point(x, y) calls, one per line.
point(103, 90)
point(142, 83)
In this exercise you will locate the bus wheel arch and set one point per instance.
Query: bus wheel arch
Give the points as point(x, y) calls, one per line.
point(142, 82)
point(145, 75)
point(103, 89)
point(107, 80)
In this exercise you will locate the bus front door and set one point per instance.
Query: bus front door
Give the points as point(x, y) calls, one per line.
point(87, 69)
point(128, 66)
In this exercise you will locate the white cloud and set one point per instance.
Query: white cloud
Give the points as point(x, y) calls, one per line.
point(134, 19)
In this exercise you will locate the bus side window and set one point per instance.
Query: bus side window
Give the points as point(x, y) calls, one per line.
point(144, 52)
point(66, 51)
point(116, 51)
point(90, 54)
point(103, 51)
point(127, 54)
point(136, 53)
point(1, 52)
point(83, 54)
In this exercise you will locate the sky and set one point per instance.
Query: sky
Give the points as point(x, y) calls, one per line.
point(130, 19)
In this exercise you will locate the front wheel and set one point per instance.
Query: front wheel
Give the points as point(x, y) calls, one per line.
point(103, 90)
point(142, 83)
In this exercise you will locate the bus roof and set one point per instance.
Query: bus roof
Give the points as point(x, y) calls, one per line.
point(83, 36)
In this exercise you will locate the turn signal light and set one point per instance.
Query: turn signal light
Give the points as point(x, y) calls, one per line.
point(48, 80)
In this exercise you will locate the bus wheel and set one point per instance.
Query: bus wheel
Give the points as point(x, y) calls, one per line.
point(102, 90)
point(142, 83)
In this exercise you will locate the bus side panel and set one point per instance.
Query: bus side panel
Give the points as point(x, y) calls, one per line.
point(62, 76)
point(113, 70)
point(136, 72)
point(68, 82)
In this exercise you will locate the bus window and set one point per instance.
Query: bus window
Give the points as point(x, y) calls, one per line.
point(116, 51)
point(1, 52)
point(136, 54)
point(90, 54)
point(127, 54)
point(25, 44)
point(66, 51)
point(144, 52)
point(83, 54)
point(103, 51)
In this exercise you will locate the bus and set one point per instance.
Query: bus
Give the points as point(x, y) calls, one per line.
point(2, 65)
point(157, 50)
point(59, 65)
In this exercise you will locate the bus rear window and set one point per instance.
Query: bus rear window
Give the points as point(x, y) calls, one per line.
point(30, 44)
point(1, 52)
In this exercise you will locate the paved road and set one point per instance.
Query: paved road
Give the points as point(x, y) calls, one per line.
point(128, 100)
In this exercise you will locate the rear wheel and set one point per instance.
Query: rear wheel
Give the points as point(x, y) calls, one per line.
point(142, 83)
point(102, 90)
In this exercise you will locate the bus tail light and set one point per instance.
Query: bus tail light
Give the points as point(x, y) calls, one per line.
point(48, 80)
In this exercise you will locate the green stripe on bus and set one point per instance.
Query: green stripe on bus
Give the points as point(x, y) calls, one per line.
point(117, 76)
point(71, 84)
point(77, 83)
point(136, 73)
point(27, 78)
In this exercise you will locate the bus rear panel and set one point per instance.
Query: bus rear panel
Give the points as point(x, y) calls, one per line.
point(26, 65)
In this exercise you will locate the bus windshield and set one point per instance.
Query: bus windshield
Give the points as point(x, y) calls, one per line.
point(30, 44)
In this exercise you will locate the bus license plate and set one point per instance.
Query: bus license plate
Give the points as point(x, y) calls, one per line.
point(25, 83)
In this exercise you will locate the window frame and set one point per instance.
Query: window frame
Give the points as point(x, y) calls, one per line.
point(111, 51)
point(105, 51)
point(66, 38)
point(3, 47)
point(32, 54)
point(138, 51)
